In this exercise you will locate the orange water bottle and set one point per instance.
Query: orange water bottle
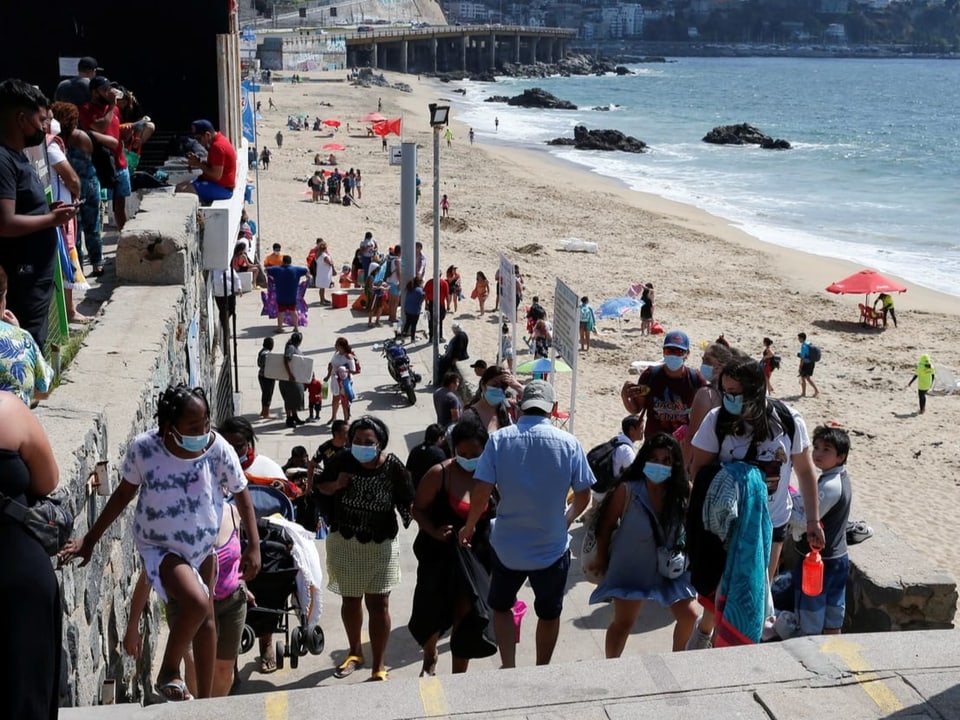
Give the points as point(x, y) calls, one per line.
point(812, 580)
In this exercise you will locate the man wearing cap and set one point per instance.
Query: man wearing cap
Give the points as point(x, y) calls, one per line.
point(664, 393)
point(218, 173)
point(76, 90)
point(533, 466)
point(479, 367)
point(101, 119)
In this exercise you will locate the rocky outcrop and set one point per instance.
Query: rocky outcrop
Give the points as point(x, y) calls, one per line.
point(608, 140)
point(743, 134)
point(539, 98)
point(622, 70)
point(573, 64)
point(497, 98)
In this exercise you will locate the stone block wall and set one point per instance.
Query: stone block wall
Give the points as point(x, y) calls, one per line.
point(108, 396)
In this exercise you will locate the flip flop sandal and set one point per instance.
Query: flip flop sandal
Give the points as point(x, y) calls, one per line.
point(268, 665)
point(166, 691)
point(378, 676)
point(346, 668)
point(858, 531)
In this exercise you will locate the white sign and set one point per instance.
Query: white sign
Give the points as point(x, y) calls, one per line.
point(508, 290)
point(566, 323)
point(396, 155)
point(67, 66)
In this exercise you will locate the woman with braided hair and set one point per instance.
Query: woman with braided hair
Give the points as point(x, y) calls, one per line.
point(182, 472)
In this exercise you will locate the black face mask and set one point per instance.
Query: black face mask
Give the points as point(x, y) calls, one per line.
point(36, 139)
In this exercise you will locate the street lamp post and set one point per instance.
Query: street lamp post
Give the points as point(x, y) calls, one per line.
point(439, 117)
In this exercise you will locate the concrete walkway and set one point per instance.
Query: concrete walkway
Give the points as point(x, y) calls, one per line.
point(907, 676)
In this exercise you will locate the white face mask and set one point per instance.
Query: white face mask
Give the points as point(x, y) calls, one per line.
point(55, 126)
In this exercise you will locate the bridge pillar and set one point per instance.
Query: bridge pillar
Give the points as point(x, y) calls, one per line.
point(463, 52)
point(433, 53)
point(551, 47)
point(493, 51)
point(516, 49)
point(404, 53)
point(534, 41)
point(374, 60)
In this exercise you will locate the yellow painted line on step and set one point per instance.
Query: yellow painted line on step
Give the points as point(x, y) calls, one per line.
point(869, 681)
point(275, 706)
point(433, 698)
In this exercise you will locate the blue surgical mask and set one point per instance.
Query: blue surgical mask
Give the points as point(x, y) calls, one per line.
point(733, 404)
point(191, 443)
point(468, 464)
point(364, 453)
point(707, 372)
point(657, 473)
point(494, 395)
point(673, 362)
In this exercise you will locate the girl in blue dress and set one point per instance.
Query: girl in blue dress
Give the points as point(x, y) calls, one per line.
point(649, 506)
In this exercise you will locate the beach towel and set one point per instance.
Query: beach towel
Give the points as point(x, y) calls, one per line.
point(735, 510)
point(269, 299)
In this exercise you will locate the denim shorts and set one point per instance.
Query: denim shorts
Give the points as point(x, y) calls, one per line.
point(121, 187)
point(549, 585)
point(826, 610)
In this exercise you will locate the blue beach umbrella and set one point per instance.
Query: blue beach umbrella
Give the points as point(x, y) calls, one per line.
point(618, 307)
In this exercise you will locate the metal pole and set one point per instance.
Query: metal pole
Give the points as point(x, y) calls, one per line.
point(436, 256)
point(408, 215)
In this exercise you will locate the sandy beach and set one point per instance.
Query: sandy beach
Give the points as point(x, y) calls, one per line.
point(710, 278)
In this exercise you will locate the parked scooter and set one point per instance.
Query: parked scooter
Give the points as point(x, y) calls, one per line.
point(398, 363)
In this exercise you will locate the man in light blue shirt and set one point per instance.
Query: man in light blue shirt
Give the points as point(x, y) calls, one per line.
point(533, 465)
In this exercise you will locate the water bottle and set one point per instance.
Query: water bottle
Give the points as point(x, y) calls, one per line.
point(812, 580)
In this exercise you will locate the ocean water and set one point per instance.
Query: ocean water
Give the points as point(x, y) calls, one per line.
point(873, 176)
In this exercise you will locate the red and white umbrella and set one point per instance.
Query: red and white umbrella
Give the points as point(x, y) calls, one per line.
point(332, 123)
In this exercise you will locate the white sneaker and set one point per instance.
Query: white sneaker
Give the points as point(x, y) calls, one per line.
point(699, 640)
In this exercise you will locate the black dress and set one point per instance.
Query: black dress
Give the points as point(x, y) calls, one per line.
point(440, 580)
point(30, 618)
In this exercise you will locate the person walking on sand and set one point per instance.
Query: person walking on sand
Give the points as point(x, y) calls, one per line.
point(279, 137)
point(481, 290)
point(444, 207)
point(646, 311)
point(588, 322)
point(924, 375)
point(807, 366)
point(770, 362)
point(448, 136)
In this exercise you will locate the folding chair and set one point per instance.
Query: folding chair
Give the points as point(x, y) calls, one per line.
point(559, 419)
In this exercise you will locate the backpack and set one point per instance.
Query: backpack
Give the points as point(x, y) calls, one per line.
point(600, 460)
point(813, 354)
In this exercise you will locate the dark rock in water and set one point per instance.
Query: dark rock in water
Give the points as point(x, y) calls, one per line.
point(743, 134)
point(777, 144)
point(486, 76)
point(607, 140)
point(601, 108)
point(623, 70)
point(538, 98)
point(496, 98)
point(462, 91)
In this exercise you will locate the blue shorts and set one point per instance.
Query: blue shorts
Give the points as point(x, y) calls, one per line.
point(826, 610)
point(549, 585)
point(121, 187)
point(209, 191)
point(394, 290)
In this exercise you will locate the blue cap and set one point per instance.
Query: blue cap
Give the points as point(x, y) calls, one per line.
point(677, 339)
point(198, 127)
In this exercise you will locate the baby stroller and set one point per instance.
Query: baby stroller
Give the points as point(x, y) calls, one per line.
point(288, 582)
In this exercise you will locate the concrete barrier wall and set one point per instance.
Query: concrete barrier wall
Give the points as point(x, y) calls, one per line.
point(107, 396)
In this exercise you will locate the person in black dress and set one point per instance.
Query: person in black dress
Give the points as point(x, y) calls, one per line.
point(444, 597)
point(30, 618)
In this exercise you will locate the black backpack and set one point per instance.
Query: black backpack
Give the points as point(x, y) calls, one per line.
point(813, 354)
point(600, 460)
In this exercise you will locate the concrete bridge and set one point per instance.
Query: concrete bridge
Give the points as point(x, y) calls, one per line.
point(446, 48)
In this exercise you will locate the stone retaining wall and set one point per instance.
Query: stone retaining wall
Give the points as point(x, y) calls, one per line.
point(108, 396)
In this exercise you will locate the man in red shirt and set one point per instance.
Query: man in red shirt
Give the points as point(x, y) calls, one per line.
point(428, 295)
point(101, 118)
point(218, 173)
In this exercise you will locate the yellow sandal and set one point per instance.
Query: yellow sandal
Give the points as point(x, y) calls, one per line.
point(347, 667)
point(379, 675)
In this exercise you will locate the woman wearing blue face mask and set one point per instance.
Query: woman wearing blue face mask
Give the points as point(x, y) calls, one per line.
point(708, 397)
point(443, 598)
point(181, 472)
point(369, 487)
point(639, 562)
point(489, 406)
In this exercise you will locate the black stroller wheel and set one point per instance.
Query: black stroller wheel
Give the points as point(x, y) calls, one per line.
point(315, 640)
point(247, 639)
point(298, 645)
point(294, 658)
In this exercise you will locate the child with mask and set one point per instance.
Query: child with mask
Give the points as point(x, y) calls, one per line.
point(181, 472)
point(640, 562)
